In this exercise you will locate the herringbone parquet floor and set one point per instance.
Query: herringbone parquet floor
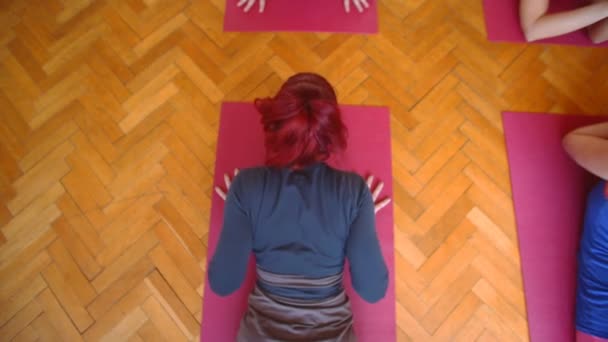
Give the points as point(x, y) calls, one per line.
point(108, 125)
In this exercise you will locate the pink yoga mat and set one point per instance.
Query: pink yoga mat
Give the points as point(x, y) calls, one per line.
point(503, 25)
point(307, 16)
point(240, 144)
point(549, 194)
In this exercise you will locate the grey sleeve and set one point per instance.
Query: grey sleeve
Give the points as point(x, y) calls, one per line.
point(228, 266)
point(368, 269)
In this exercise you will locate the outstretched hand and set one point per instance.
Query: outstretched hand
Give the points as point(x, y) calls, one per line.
point(222, 193)
point(249, 3)
point(378, 205)
point(361, 5)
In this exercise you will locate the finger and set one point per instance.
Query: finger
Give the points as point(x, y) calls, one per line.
point(227, 182)
point(382, 204)
point(249, 5)
point(347, 6)
point(236, 172)
point(370, 181)
point(262, 5)
point(241, 3)
point(358, 5)
point(220, 192)
point(377, 191)
point(365, 3)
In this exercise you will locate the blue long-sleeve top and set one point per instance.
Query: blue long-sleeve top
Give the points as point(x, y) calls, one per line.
point(300, 222)
point(592, 281)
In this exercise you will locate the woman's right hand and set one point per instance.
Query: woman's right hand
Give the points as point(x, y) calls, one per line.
point(249, 3)
point(378, 204)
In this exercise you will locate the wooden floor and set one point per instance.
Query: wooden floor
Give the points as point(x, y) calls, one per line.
point(108, 126)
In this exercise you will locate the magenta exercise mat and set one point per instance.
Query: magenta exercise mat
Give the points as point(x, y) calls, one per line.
point(549, 194)
point(241, 144)
point(502, 23)
point(304, 16)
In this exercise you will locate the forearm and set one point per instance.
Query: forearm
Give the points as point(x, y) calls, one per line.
point(228, 266)
point(599, 130)
point(598, 32)
point(227, 270)
point(588, 146)
point(551, 25)
point(369, 273)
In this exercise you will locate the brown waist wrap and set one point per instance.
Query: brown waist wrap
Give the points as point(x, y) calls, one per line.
point(274, 318)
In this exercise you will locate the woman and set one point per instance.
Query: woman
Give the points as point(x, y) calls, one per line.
point(538, 24)
point(361, 5)
point(588, 146)
point(301, 218)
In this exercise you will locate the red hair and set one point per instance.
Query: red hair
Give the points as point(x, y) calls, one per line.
point(302, 122)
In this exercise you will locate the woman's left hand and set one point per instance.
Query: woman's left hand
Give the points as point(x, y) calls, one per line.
point(222, 193)
point(378, 205)
point(360, 4)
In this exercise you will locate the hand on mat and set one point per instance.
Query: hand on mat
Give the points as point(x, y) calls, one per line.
point(378, 205)
point(249, 3)
point(227, 181)
point(360, 4)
